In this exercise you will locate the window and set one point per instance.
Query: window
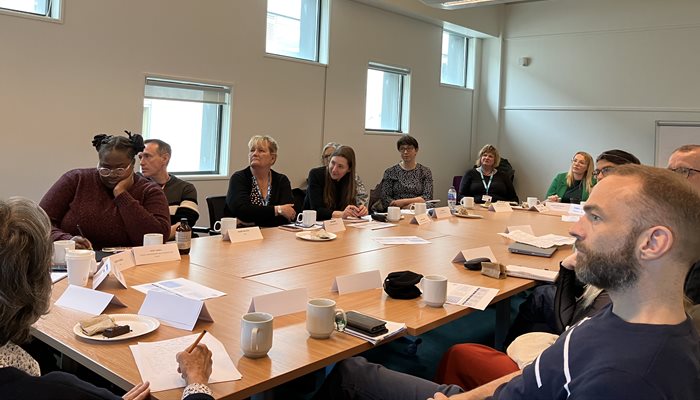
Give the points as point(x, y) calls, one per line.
point(194, 119)
point(298, 29)
point(50, 9)
point(454, 59)
point(387, 98)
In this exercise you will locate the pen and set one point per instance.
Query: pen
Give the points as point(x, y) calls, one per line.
point(196, 342)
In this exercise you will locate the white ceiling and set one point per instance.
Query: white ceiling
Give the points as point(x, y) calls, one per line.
point(458, 4)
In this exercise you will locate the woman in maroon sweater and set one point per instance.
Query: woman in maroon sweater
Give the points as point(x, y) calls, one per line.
point(111, 204)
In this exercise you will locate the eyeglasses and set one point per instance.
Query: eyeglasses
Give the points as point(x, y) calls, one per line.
point(406, 148)
point(603, 171)
point(106, 172)
point(685, 172)
point(575, 161)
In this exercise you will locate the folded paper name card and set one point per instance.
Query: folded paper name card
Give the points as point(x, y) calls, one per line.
point(421, 219)
point(334, 225)
point(280, 303)
point(245, 234)
point(442, 212)
point(493, 270)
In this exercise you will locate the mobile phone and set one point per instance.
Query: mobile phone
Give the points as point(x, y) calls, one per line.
point(365, 323)
point(379, 217)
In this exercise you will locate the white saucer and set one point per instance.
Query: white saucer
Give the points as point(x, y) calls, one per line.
point(139, 324)
point(314, 236)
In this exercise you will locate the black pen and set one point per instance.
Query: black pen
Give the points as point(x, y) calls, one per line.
point(80, 231)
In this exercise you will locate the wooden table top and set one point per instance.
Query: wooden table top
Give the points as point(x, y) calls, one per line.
point(293, 353)
point(281, 249)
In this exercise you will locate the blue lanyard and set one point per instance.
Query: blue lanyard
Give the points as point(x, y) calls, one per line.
point(483, 181)
point(265, 199)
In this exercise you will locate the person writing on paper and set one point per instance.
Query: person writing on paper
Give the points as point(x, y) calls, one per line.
point(181, 195)
point(257, 194)
point(332, 191)
point(362, 196)
point(25, 295)
point(408, 181)
point(112, 205)
point(485, 179)
point(575, 185)
point(637, 241)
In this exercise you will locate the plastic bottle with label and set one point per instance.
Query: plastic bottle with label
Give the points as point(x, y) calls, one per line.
point(452, 198)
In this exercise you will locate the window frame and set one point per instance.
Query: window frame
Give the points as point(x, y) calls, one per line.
point(404, 98)
point(224, 126)
point(322, 38)
point(54, 14)
point(467, 59)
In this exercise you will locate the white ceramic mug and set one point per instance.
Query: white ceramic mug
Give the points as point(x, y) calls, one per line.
point(79, 264)
point(152, 239)
point(59, 250)
point(393, 214)
point(225, 224)
point(307, 218)
point(532, 201)
point(467, 202)
point(321, 318)
point(419, 208)
point(434, 290)
point(256, 334)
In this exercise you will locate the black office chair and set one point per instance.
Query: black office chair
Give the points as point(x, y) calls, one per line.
point(216, 205)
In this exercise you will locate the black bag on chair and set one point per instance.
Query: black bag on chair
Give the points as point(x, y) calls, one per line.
point(402, 285)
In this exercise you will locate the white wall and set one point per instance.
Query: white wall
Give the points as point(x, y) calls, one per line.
point(602, 73)
point(62, 83)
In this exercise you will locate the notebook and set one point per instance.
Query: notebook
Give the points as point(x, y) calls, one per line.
point(522, 248)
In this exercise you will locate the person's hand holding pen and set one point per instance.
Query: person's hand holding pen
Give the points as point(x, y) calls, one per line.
point(194, 364)
point(80, 241)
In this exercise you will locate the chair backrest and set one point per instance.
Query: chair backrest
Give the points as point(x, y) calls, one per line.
point(298, 194)
point(375, 198)
point(456, 181)
point(216, 206)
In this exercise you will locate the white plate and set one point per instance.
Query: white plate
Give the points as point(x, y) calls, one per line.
point(472, 216)
point(313, 236)
point(139, 324)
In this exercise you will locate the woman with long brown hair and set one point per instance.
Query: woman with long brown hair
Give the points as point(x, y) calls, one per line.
point(332, 190)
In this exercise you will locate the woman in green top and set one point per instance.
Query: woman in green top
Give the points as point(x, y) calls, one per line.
point(575, 185)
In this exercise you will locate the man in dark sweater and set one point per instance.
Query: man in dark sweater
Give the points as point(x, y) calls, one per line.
point(181, 195)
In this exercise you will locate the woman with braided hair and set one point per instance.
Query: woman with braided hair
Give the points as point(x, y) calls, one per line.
point(111, 205)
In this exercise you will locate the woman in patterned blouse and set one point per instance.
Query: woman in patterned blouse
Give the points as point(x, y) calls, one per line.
point(407, 182)
point(257, 194)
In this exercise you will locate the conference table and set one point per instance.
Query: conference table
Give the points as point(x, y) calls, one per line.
point(280, 262)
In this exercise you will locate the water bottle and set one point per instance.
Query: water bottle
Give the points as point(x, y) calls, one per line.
point(452, 198)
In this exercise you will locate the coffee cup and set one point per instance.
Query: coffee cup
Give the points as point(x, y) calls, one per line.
point(225, 224)
point(532, 201)
point(79, 264)
point(59, 250)
point(393, 214)
point(419, 208)
point(152, 239)
point(307, 218)
point(434, 290)
point(322, 317)
point(467, 202)
point(256, 334)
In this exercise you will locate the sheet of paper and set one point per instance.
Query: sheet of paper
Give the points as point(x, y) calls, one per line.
point(280, 303)
point(357, 282)
point(155, 254)
point(336, 224)
point(522, 228)
point(86, 300)
point(477, 252)
point(389, 240)
point(570, 218)
point(537, 274)
point(173, 310)
point(373, 225)
point(470, 296)
point(57, 276)
point(543, 242)
point(156, 361)
point(393, 328)
point(187, 288)
point(245, 234)
point(442, 212)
